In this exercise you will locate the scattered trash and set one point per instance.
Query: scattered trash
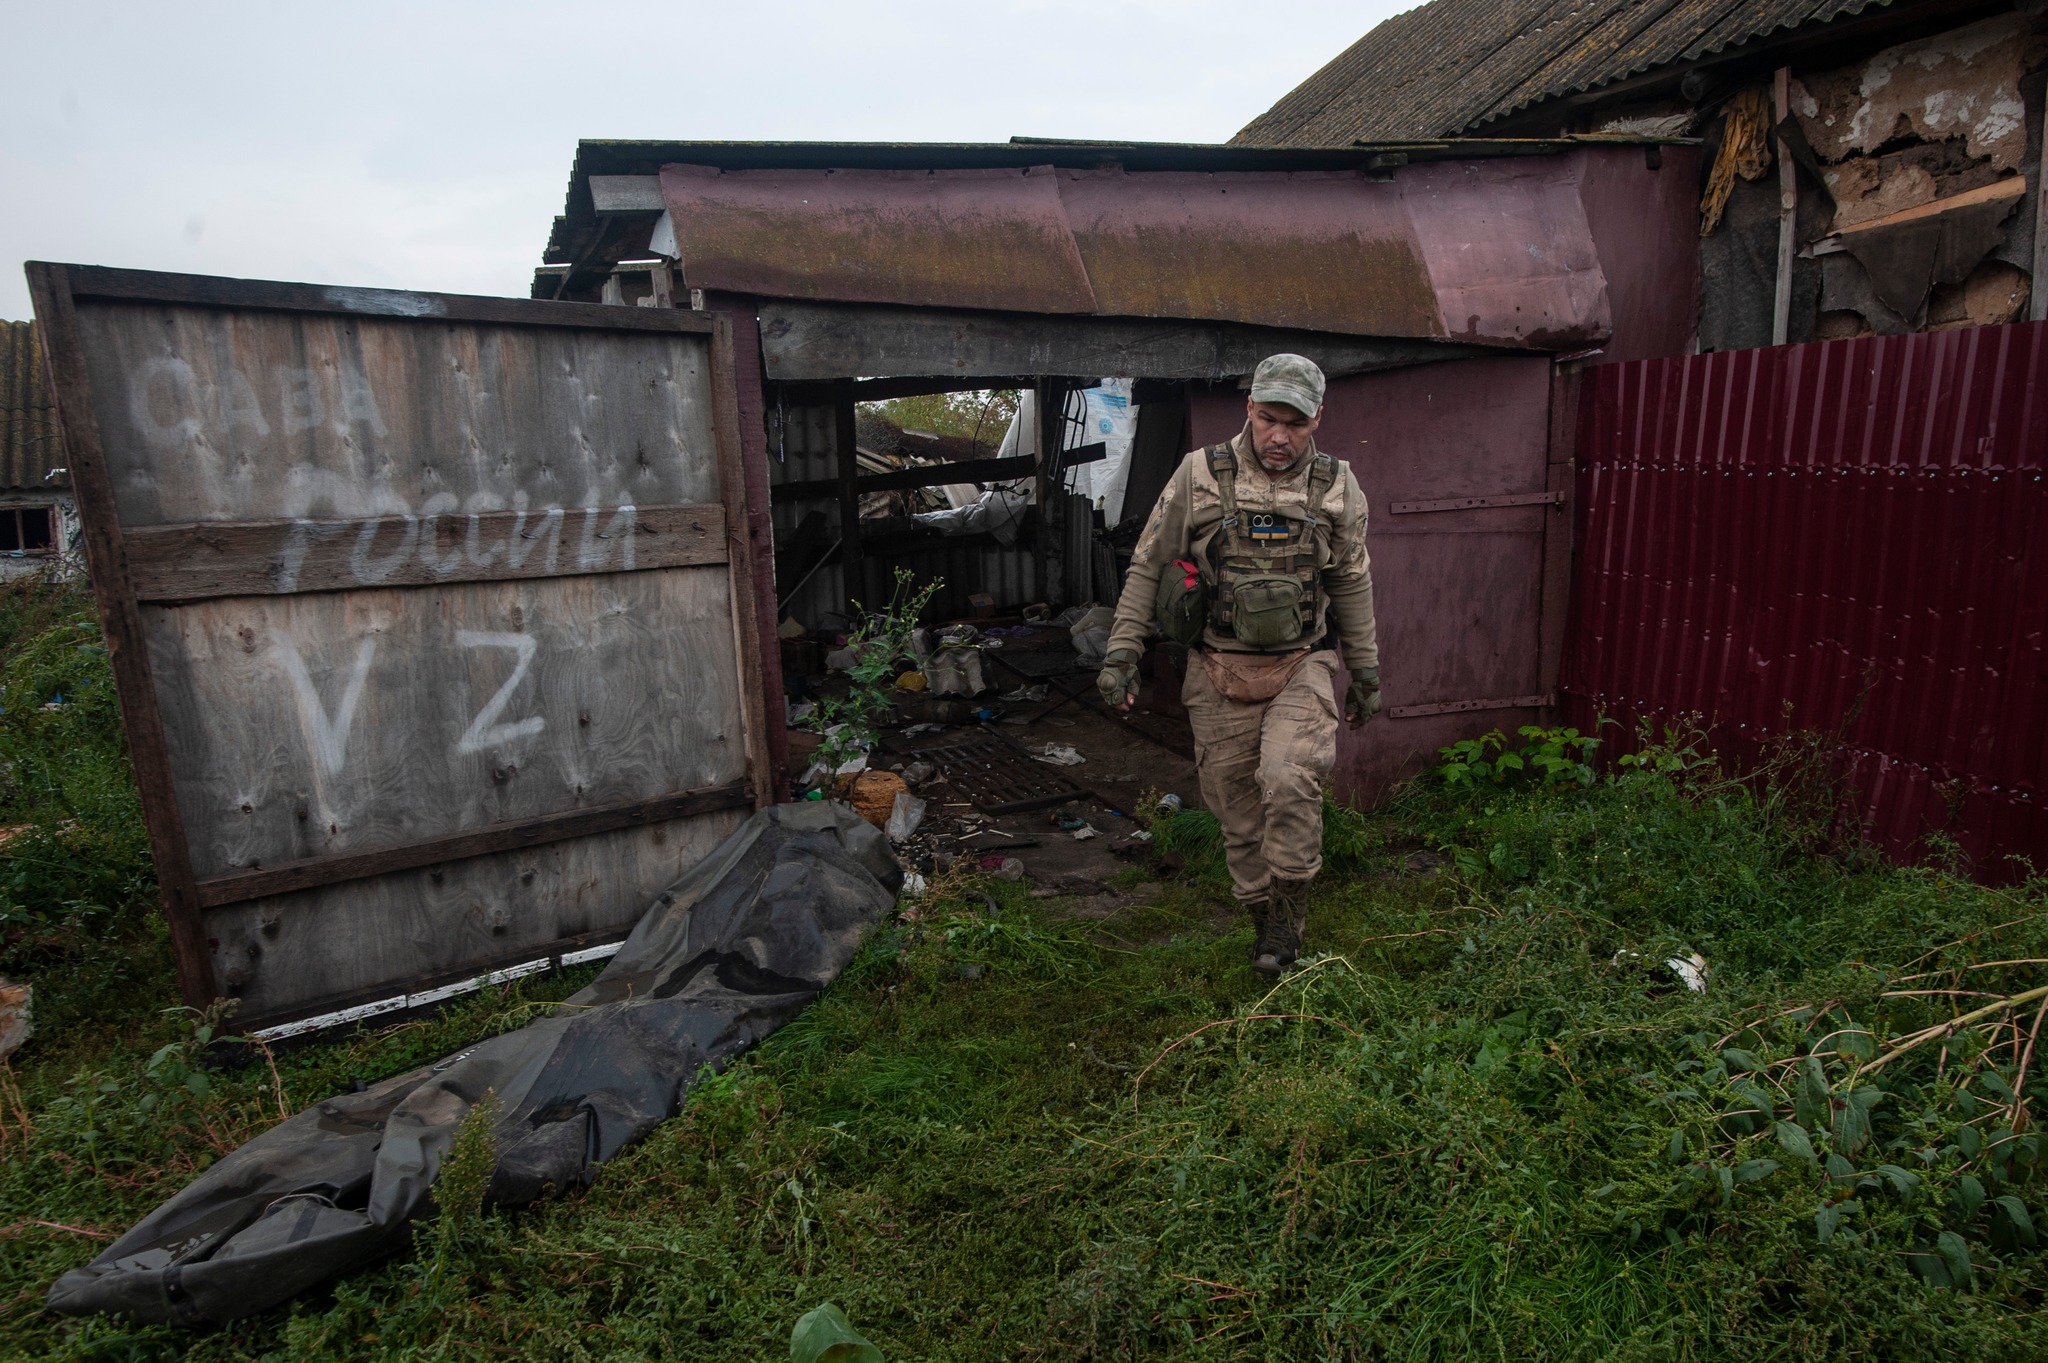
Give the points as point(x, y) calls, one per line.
point(904, 816)
point(1069, 822)
point(873, 795)
point(955, 670)
point(791, 628)
point(919, 772)
point(1169, 804)
point(913, 885)
point(911, 681)
point(1085, 832)
point(814, 795)
point(983, 605)
point(1027, 694)
point(1009, 869)
point(923, 729)
point(1066, 618)
point(1691, 968)
point(823, 1335)
point(1090, 634)
point(17, 1023)
point(1426, 863)
point(841, 660)
point(797, 711)
point(1142, 835)
point(1038, 613)
point(1059, 755)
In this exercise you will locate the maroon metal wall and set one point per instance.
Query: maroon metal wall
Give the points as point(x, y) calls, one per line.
point(1459, 589)
point(1843, 535)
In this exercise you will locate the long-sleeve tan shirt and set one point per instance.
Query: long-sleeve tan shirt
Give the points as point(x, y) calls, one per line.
point(1190, 510)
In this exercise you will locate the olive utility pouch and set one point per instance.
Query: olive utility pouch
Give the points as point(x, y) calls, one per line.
point(1182, 608)
point(1265, 610)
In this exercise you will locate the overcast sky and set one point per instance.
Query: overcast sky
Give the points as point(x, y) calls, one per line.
point(428, 145)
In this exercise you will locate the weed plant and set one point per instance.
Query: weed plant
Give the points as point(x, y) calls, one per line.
point(1483, 1119)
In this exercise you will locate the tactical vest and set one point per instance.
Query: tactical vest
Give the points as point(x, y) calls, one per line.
point(1265, 567)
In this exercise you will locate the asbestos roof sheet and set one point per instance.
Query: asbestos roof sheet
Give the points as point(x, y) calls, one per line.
point(1453, 65)
point(1487, 251)
point(28, 421)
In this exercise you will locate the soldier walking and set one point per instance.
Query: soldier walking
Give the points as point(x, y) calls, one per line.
point(1255, 557)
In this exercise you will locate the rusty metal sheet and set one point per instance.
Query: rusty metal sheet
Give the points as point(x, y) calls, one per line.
point(1324, 251)
point(1843, 537)
point(1509, 252)
point(922, 238)
point(1491, 252)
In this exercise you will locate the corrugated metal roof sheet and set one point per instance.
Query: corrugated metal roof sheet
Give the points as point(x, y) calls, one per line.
point(1484, 251)
point(1453, 65)
point(28, 421)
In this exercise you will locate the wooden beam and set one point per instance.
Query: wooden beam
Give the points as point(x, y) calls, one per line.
point(1788, 210)
point(626, 193)
point(98, 281)
point(276, 558)
point(261, 883)
point(825, 341)
point(52, 287)
point(930, 475)
point(2010, 188)
point(739, 554)
point(845, 432)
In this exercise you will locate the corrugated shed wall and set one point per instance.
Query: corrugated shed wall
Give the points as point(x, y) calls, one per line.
point(1844, 536)
point(28, 422)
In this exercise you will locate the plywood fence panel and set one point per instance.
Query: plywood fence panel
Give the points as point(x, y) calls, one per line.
point(335, 722)
point(235, 416)
point(346, 943)
point(426, 614)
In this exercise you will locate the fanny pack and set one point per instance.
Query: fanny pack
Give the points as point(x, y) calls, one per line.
point(1250, 677)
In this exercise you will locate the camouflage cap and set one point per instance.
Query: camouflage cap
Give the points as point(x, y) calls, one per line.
point(1292, 379)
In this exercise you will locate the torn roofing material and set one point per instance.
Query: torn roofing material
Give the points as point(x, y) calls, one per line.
point(1456, 65)
point(1485, 251)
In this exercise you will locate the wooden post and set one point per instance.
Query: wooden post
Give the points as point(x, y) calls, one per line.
point(1788, 209)
point(663, 284)
point(845, 432)
point(2037, 305)
point(1052, 498)
point(127, 646)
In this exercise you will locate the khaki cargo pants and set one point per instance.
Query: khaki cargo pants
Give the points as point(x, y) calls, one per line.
point(1262, 765)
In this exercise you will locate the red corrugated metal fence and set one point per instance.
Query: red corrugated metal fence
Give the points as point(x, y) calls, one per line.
point(1838, 536)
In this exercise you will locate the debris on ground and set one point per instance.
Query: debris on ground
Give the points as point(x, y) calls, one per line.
point(873, 795)
point(975, 766)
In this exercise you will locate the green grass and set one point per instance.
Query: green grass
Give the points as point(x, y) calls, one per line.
point(1485, 1121)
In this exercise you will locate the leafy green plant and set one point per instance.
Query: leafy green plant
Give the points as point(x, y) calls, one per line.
point(1547, 757)
point(881, 642)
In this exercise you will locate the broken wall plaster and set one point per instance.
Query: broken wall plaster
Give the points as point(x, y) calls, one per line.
point(1961, 83)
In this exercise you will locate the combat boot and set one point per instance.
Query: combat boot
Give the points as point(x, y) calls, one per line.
point(1286, 916)
point(1261, 910)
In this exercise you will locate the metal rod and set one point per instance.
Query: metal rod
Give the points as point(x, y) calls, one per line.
point(1788, 209)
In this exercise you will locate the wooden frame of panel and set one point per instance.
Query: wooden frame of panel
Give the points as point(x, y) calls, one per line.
point(131, 566)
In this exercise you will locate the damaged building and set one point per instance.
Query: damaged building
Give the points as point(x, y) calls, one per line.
point(1127, 291)
point(1867, 168)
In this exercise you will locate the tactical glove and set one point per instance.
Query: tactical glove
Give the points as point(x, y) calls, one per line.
point(1118, 679)
point(1362, 701)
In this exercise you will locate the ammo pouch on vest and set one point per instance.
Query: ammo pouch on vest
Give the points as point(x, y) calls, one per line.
point(1182, 608)
point(1267, 567)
